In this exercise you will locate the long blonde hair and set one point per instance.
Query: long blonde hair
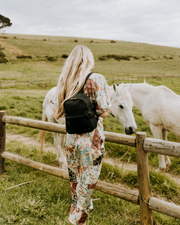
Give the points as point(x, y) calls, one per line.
point(76, 68)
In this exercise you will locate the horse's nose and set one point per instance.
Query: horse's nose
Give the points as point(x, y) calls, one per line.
point(129, 130)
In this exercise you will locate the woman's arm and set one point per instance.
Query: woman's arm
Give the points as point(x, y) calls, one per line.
point(104, 114)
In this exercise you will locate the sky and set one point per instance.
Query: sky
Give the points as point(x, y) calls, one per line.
point(143, 21)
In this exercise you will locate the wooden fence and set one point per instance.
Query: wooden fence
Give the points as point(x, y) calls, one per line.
point(44, 83)
point(143, 146)
point(41, 83)
point(133, 78)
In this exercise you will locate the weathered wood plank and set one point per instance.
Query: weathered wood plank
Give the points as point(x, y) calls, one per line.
point(162, 147)
point(43, 125)
point(164, 207)
point(120, 138)
point(36, 165)
point(117, 191)
point(102, 186)
point(143, 180)
point(114, 190)
point(109, 136)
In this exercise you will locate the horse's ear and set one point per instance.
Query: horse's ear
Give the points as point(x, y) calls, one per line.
point(117, 84)
point(144, 80)
point(114, 87)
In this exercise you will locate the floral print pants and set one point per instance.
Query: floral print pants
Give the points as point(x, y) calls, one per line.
point(84, 160)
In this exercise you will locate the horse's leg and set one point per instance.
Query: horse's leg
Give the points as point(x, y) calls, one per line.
point(63, 139)
point(158, 133)
point(59, 142)
point(167, 159)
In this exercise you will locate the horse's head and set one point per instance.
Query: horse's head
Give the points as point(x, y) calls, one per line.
point(121, 108)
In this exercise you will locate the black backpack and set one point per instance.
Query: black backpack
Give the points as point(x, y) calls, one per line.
point(80, 113)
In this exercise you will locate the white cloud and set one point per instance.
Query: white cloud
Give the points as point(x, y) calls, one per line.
point(150, 21)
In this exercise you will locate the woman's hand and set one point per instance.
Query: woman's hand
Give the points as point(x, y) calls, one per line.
point(104, 114)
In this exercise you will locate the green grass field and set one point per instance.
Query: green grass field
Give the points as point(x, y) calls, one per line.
point(46, 200)
point(49, 203)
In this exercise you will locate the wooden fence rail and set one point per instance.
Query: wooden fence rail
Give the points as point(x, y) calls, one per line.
point(162, 147)
point(133, 78)
point(109, 136)
point(5, 83)
point(110, 189)
point(143, 146)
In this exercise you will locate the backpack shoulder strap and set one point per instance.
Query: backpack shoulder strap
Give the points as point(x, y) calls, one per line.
point(81, 91)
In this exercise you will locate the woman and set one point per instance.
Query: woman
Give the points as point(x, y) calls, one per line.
point(85, 151)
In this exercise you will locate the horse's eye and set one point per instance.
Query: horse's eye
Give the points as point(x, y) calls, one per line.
point(121, 106)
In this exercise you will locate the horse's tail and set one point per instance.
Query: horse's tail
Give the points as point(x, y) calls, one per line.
point(42, 132)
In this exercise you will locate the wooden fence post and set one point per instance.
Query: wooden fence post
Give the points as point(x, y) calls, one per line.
point(143, 180)
point(2, 140)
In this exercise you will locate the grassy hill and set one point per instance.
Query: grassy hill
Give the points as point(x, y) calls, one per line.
point(144, 59)
point(33, 57)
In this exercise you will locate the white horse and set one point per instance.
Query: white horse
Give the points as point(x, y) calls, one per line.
point(121, 108)
point(160, 108)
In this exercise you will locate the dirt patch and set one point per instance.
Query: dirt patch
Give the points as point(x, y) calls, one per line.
point(29, 141)
point(120, 164)
point(12, 49)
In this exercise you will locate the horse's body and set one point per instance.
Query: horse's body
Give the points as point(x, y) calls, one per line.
point(121, 108)
point(160, 108)
point(48, 115)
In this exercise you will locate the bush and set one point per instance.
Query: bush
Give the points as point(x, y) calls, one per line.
point(112, 41)
point(64, 56)
point(3, 58)
point(2, 54)
point(44, 40)
point(24, 57)
point(124, 57)
point(76, 40)
point(51, 58)
point(135, 57)
point(116, 57)
point(102, 58)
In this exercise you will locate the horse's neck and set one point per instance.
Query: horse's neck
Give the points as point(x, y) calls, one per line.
point(140, 93)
